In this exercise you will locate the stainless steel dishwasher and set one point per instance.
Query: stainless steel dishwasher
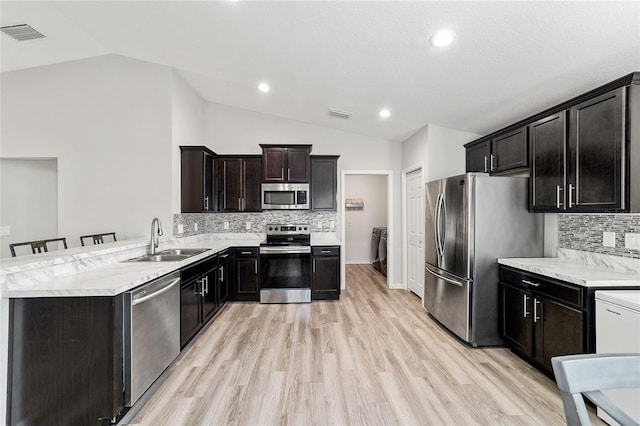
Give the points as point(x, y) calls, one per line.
point(151, 333)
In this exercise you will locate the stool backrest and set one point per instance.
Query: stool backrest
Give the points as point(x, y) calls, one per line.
point(97, 238)
point(37, 246)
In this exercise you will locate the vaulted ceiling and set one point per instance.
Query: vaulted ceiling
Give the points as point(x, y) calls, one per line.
point(508, 60)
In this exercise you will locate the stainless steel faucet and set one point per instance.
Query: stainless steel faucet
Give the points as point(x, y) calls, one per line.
point(153, 244)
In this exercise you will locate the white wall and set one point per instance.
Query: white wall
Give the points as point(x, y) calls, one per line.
point(359, 223)
point(108, 121)
point(187, 129)
point(441, 150)
point(230, 130)
point(28, 201)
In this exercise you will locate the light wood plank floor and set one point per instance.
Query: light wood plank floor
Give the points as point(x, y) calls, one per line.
point(372, 358)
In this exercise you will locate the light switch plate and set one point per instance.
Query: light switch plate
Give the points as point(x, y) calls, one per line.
point(632, 241)
point(226, 225)
point(180, 228)
point(248, 225)
point(5, 230)
point(609, 239)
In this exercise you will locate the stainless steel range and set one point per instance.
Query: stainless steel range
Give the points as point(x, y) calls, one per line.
point(285, 264)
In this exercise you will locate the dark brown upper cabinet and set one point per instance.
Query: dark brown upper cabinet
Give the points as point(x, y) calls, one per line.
point(324, 182)
point(505, 152)
point(239, 183)
point(547, 139)
point(286, 163)
point(197, 179)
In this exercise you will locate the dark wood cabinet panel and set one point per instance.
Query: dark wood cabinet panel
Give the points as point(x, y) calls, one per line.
point(189, 310)
point(223, 278)
point(245, 274)
point(324, 182)
point(298, 165)
point(209, 294)
point(509, 151)
point(325, 282)
point(558, 331)
point(286, 163)
point(596, 144)
point(547, 144)
point(239, 187)
point(197, 179)
point(63, 350)
point(516, 319)
point(477, 157)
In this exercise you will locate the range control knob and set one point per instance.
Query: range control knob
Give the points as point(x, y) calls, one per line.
point(270, 228)
point(299, 228)
point(305, 228)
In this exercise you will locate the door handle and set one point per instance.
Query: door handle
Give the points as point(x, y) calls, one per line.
point(492, 166)
point(525, 312)
point(221, 278)
point(531, 283)
point(288, 173)
point(255, 264)
point(206, 203)
point(571, 187)
point(558, 189)
point(486, 168)
point(442, 277)
point(314, 266)
point(535, 310)
point(282, 173)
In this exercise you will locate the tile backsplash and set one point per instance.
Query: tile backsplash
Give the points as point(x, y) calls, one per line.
point(214, 222)
point(584, 232)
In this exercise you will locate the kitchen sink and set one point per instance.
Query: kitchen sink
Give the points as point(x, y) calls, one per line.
point(169, 255)
point(184, 251)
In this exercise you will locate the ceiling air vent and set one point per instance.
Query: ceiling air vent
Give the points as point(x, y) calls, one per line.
point(21, 32)
point(340, 114)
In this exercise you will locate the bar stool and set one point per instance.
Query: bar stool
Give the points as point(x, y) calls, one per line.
point(37, 246)
point(97, 238)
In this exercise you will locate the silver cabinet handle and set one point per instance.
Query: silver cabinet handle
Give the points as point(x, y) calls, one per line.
point(244, 204)
point(558, 189)
point(255, 265)
point(571, 195)
point(239, 203)
point(221, 277)
point(282, 173)
point(201, 292)
point(325, 251)
point(245, 252)
point(314, 266)
point(486, 167)
point(531, 283)
point(206, 203)
point(492, 166)
point(535, 310)
point(206, 285)
point(224, 256)
point(525, 312)
point(288, 173)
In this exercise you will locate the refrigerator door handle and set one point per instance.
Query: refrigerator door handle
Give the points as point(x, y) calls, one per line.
point(442, 277)
point(437, 225)
point(443, 213)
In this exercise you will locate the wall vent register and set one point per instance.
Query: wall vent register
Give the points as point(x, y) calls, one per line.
point(21, 32)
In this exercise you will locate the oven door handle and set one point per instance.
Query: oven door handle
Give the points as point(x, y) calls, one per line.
point(285, 250)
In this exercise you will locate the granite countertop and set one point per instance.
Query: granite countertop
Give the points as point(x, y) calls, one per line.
point(100, 270)
point(582, 268)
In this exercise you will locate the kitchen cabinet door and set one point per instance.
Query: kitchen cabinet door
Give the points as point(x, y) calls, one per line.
point(274, 161)
point(547, 143)
point(558, 331)
point(509, 151)
point(251, 185)
point(197, 193)
point(246, 274)
point(298, 165)
point(231, 190)
point(324, 182)
point(596, 146)
point(325, 282)
point(477, 157)
point(189, 310)
point(208, 284)
point(223, 280)
point(516, 320)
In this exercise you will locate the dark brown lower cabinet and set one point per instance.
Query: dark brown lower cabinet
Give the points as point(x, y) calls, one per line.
point(245, 281)
point(325, 282)
point(542, 317)
point(65, 361)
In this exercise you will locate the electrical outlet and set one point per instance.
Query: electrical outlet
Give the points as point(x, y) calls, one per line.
point(248, 225)
point(632, 241)
point(180, 228)
point(319, 225)
point(195, 226)
point(226, 225)
point(5, 230)
point(609, 239)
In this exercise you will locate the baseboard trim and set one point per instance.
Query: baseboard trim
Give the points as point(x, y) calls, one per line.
point(358, 262)
point(396, 286)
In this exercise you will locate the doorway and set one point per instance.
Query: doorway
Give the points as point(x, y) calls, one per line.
point(374, 188)
point(413, 206)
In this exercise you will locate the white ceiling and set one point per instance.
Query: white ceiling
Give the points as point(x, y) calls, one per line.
point(509, 60)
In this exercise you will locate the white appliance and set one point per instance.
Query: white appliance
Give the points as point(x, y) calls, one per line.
point(618, 331)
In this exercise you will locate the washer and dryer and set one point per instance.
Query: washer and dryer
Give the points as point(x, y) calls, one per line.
point(379, 249)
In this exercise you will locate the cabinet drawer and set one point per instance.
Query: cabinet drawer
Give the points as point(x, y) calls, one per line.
point(325, 251)
point(561, 291)
point(223, 256)
point(246, 252)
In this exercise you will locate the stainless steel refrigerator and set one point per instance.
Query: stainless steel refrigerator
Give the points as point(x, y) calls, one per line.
point(471, 221)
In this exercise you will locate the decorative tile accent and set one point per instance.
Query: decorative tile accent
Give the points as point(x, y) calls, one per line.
point(584, 232)
point(214, 222)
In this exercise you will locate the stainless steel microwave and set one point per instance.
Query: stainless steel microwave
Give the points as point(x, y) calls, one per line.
point(285, 196)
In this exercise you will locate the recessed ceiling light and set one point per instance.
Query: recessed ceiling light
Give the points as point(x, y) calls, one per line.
point(385, 113)
point(264, 87)
point(442, 38)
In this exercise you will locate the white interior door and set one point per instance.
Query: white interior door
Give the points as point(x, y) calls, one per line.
point(415, 232)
